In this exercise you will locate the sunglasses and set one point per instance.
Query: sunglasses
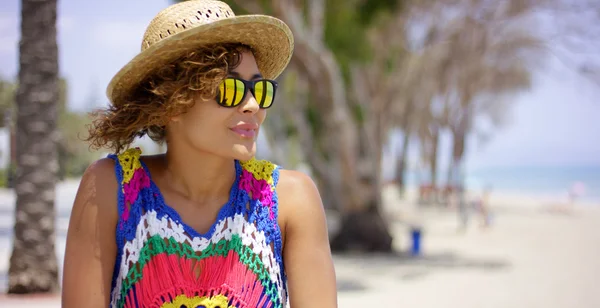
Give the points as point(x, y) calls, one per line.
point(232, 92)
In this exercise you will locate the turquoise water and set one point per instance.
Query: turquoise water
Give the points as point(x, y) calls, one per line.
point(531, 180)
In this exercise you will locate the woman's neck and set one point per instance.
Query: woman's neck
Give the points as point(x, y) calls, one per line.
point(200, 176)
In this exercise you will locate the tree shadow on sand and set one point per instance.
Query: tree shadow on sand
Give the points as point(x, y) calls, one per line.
point(405, 268)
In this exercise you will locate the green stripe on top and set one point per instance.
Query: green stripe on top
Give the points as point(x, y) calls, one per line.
point(157, 245)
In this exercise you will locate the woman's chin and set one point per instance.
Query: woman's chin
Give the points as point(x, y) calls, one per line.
point(244, 152)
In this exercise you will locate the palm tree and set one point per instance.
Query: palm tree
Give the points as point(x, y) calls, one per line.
point(494, 63)
point(33, 263)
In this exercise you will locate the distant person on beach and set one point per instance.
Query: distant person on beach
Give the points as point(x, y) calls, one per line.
point(577, 190)
point(483, 206)
point(457, 183)
point(205, 224)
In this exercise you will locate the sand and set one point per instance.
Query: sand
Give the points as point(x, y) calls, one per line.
point(528, 257)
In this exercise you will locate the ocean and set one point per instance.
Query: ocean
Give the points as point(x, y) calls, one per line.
point(530, 180)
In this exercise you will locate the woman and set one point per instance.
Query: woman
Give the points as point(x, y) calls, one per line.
point(205, 224)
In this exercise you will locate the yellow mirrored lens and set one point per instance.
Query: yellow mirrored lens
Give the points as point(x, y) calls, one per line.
point(263, 91)
point(231, 92)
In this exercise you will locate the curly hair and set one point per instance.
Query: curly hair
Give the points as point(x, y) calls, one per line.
point(170, 91)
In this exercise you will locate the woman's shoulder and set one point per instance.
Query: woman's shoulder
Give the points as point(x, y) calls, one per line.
point(297, 193)
point(291, 185)
point(293, 181)
point(101, 171)
point(98, 188)
point(300, 209)
point(110, 171)
point(100, 179)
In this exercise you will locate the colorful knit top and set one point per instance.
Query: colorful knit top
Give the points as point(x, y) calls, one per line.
point(163, 262)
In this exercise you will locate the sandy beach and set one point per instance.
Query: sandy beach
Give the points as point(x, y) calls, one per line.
point(530, 256)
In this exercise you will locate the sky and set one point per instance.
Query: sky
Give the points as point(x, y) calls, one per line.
point(553, 124)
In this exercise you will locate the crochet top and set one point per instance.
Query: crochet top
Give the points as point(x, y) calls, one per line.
point(163, 262)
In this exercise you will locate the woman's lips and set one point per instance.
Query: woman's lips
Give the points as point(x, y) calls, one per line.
point(245, 130)
point(246, 133)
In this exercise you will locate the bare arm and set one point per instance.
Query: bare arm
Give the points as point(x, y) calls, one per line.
point(91, 246)
point(306, 251)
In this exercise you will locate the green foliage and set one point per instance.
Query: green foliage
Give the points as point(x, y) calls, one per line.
point(394, 57)
point(347, 23)
point(346, 26)
point(7, 176)
point(4, 178)
point(290, 130)
point(74, 154)
point(62, 96)
point(358, 113)
point(345, 35)
point(266, 6)
point(239, 10)
point(314, 120)
point(7, 96)
point(368, 10)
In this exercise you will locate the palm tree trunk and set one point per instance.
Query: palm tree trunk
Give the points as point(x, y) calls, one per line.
point(433, 158)
point(400, 173)
point(401, 162)
point(33, 263)
point(457, 154)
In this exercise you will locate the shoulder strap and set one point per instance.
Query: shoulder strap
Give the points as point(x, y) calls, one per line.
point(259, 179)
point(132, 178)
point(261, 170)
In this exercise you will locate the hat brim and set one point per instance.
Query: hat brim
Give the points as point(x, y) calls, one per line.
point(270, 38)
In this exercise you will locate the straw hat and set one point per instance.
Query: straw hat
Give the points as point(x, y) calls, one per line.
point(184, 26)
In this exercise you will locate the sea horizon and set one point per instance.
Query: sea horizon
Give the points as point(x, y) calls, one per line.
point(528, 180)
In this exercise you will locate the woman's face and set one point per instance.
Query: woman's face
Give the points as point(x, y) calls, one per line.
point(226, 132)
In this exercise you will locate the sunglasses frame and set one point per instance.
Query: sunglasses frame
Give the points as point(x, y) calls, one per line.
point(249, 84)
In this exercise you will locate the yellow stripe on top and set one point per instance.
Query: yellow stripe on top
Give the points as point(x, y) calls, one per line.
point(130, 162)
point(260, 169)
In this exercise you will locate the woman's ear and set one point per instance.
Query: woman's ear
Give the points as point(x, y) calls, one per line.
point(175, 119)
point(172, 124)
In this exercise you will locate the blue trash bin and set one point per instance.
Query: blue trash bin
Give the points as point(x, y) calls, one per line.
point(415, 234)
